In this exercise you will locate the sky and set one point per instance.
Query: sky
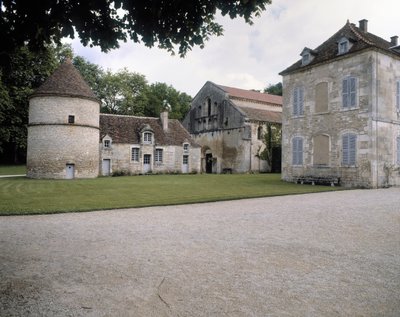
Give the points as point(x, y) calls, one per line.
point(250, 57)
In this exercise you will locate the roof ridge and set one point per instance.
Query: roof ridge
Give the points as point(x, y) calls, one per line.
point(359, 35)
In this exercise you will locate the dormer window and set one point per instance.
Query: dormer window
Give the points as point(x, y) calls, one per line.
point(185, 147)
point(307, 55)
point(343, 46)
point(107, 142)
point(147, 137)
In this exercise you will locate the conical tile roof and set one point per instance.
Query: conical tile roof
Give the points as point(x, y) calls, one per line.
point(65, 81)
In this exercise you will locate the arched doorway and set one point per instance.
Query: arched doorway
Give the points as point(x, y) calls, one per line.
point(209, 163)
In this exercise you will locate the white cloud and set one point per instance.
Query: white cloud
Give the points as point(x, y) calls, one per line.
point(251, 57)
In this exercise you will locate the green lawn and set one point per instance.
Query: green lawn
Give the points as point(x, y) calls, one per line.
point(27, 196)
point(12, 169)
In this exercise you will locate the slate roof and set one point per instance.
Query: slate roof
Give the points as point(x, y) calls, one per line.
point(127, 129)
point(262, 115)
point(329, 49)
point(251, 95)
point(65, 81)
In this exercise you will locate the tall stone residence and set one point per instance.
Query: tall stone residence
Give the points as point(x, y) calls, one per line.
point(229, 123)
point(63, 130)
point(341, 111)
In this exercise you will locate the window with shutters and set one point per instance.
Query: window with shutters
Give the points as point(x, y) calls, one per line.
point(398, 150)
point(297, 151)
point(135, 154)
point(349, 93)
point(398, 96)
point(349, 149)
point(158, 157)
point(298, 101)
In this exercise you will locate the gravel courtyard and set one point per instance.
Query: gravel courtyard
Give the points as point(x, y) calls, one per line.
point(326, 254)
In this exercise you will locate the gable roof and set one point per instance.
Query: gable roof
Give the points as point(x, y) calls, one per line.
point(65, 81)
point(329, 49)
point(262, 115)
point(251, 95)
point(127, 129)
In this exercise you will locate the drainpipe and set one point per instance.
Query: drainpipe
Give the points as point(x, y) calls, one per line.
point(376, 120)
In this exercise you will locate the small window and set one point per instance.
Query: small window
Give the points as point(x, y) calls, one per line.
point(349, 93)
point(71, 119)
point(185, 160)
point(135, 154)
point(147, 137)
point(297, 151)
point(158, 157)
point(209, 107)
point(343, 47)
point(107, 143)
point(186, 147)
point(349, 149)
point(298, 101)
point(398, 96)
point(305, 59)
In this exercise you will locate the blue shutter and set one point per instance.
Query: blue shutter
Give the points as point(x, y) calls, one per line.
point(352, 149)
point(345, 149)
point(295, 102)
point(301, 100)
point(353, 92)
point(345, 93)
point(297, 151)
point(300, 151)
point(294, 151)
point(398, 96)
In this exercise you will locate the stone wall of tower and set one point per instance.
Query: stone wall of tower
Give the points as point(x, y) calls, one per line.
point(55, 141)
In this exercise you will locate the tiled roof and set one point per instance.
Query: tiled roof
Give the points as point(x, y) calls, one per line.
point(126, 129)
point(252, 95)
point(329, 49)
point(262, 115)
point(66, 81)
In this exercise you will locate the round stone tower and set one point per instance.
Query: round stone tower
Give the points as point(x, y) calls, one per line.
point(63, 130)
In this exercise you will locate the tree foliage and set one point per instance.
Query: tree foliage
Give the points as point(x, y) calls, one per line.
point(27, 70)
point(181, 23)
point(274, 89)
point(272, 138)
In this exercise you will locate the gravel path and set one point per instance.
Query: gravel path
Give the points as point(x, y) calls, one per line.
point(326, 254)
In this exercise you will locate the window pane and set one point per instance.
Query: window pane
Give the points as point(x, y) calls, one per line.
point(398, 150)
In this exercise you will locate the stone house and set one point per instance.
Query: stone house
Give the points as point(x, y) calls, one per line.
point(229, 123)
point(69, 138)
point(341, 111)
point(140, 145)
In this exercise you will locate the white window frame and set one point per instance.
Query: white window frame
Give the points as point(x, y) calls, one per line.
point(305, 59)
point(185, 147)
point(343, 46)
point(349, 149)
point(297, 150)
point(158, 156)
point(349, 92)
point(185, 158)
point(107, 143)
point(147, 137)
point(298, 101)
point(135, 154)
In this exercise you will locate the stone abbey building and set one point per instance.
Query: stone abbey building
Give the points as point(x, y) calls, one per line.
point(69, 138)
point(341, 110)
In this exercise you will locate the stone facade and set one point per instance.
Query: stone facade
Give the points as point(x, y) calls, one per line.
point(63, 129)
point(69, 138)
point(340, 117)
point(166, 148)
point(226, 122)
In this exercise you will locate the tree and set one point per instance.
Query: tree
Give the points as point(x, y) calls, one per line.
point(93, 74)
point(27, 70)
point(124, 93)
point(182, 23)
point(158, 92)
point(272, 138)
point(274, 89)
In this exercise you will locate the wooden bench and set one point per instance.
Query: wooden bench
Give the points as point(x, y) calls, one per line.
point(319, 180)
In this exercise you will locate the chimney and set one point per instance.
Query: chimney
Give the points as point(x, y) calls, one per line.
point(363, 25)
point(394, 40)
point(164, 115)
